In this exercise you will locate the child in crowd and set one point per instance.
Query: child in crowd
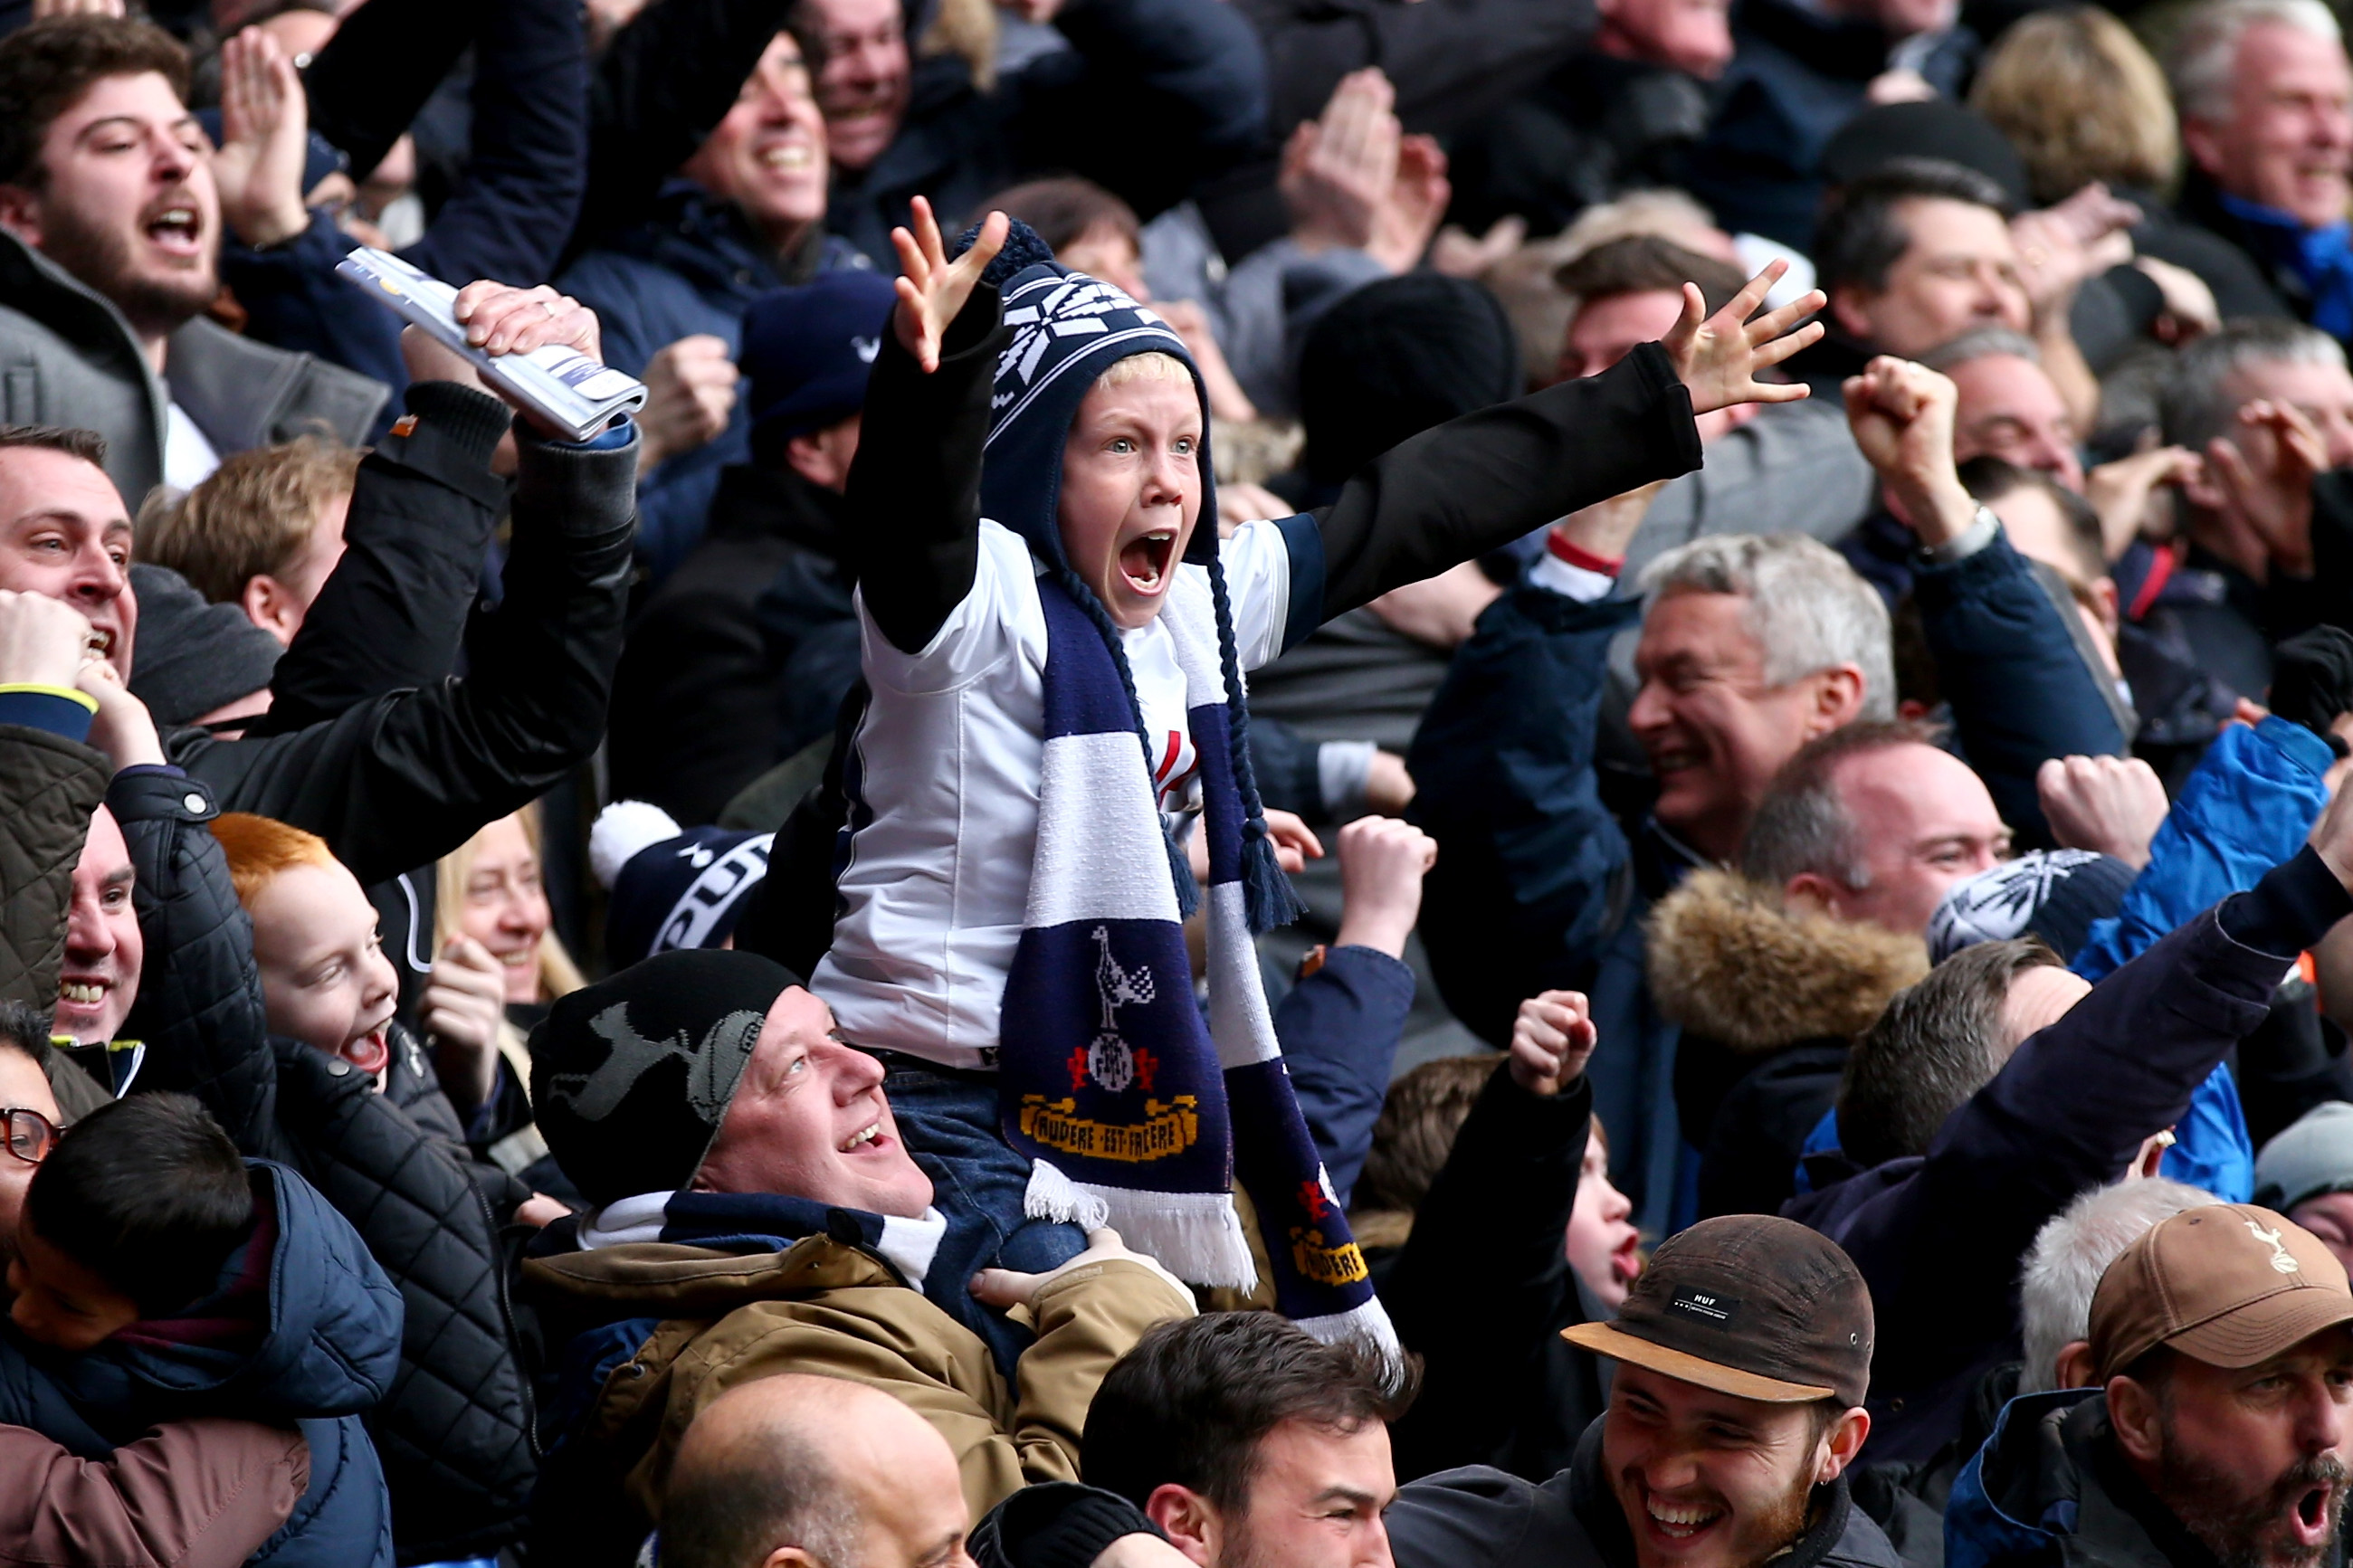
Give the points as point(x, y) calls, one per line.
point(159, 1276)
point(1056, 653)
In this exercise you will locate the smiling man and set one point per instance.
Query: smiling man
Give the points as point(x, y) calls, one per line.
point(2220, 1426)
point(1743, 1357)
point(112, 203)
point(749, 1184)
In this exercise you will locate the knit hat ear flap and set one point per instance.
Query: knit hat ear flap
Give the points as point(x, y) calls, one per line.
point(1268, 898)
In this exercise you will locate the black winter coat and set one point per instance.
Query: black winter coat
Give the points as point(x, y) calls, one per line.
point(1500, 1386)
point(455, 1432)
point(401, 779)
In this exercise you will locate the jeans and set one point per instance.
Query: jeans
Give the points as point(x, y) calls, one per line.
point(950, 1124)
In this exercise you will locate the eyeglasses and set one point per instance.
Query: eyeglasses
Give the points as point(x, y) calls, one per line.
point(30, 1135)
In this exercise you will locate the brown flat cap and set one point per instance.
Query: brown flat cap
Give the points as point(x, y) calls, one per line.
point(1751, 1305)
point(2229, 1284)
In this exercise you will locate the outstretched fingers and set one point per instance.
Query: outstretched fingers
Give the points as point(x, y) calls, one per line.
point(1777, 324)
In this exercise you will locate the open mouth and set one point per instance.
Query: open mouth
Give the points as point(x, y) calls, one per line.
point(1144, 562)
point(370, 1051)
point(87, 994)
point(1673, 760)
point(2311, 1520)
point(1679, 1522)
point(790, 156)
point(867, 1137)
point(175, 230)
point(1626, 1260)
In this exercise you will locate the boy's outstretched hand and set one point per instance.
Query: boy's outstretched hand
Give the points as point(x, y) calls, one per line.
point(932, 289)
point(1718, 356)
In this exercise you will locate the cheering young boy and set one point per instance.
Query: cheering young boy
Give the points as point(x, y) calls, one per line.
point(1055, 654)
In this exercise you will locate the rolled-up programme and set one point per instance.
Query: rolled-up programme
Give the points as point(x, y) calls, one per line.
point(560, 385)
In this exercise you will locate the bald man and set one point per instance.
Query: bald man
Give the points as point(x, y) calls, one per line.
point(796, 1471)
point(800, 1471)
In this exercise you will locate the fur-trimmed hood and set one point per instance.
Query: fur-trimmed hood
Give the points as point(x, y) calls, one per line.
point(1727, 960)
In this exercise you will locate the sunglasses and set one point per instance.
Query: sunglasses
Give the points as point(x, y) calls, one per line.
point(29, 1134)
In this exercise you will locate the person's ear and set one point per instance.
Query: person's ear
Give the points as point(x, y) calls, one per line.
point(1810, 893)
point(2198, 140)
point(1186, 1517)
point(2133, 1411)
point(1837, 699)
point(2073, 1367)
point(1850, 307)
point(20, 214)
point(268, 605)
point(1841, 1444)
point(810, 457)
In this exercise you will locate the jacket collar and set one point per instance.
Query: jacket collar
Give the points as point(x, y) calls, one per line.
point(1728, 961)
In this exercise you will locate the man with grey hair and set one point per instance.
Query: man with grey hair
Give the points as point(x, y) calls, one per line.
point(2237, 397)
point(1749, 647)
point(2266, 105)
point(2064, 1264)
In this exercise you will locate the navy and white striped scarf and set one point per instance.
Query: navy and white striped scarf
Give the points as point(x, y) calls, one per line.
point(1111, 1083)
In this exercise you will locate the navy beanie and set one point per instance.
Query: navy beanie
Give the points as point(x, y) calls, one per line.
point(806, 350)
point(671, 887)
point(1394, 358)
point(631, 1078)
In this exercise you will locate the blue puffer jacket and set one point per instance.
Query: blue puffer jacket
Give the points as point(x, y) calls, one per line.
point(2249, 806)
point(330, 1350)
point(693, 268)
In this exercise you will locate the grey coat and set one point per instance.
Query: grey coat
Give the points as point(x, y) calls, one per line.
point(68, 357)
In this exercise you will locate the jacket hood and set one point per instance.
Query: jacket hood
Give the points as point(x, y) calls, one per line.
point(332, 1345)
point(1068, 328)
point(1727, 960)
point(667, 1279)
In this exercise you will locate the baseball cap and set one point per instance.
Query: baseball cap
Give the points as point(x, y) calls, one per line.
point(807, 349)
point(2228, 1284)
point(1751, 1305)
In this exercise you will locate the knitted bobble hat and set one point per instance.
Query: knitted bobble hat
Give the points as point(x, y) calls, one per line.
point(1068, 328)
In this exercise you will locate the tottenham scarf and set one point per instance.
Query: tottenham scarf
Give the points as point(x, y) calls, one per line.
point(1111, 1085)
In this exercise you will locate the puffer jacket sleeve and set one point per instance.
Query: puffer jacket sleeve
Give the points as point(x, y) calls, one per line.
point(400, 781)
point(190, 1494)
point(49, 787)
point(200, 1007)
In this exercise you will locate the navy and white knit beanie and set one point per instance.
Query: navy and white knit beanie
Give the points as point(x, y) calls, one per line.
point(2055, 894)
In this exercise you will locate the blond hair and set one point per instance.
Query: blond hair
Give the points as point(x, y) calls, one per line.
point(2080, 99)
point(1151, 365)
point(253, 518)
point(558, 975)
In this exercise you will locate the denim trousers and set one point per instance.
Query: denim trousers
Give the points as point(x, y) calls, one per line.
point(949, 1121)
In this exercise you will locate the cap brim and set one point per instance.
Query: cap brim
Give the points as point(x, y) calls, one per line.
point(1608, 1339)
point(2261, 1330)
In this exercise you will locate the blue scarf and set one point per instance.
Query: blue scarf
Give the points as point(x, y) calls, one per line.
point(1110, 1082)
point(2322, 256)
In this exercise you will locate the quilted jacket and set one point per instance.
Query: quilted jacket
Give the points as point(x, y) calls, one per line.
point(454, 1430)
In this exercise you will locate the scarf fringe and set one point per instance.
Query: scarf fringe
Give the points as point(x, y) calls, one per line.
point(1369, 1325)
point(1197, 1236)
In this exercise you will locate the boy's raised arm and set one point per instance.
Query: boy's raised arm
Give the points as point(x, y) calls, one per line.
point(1480, 482)
point(914, 487)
